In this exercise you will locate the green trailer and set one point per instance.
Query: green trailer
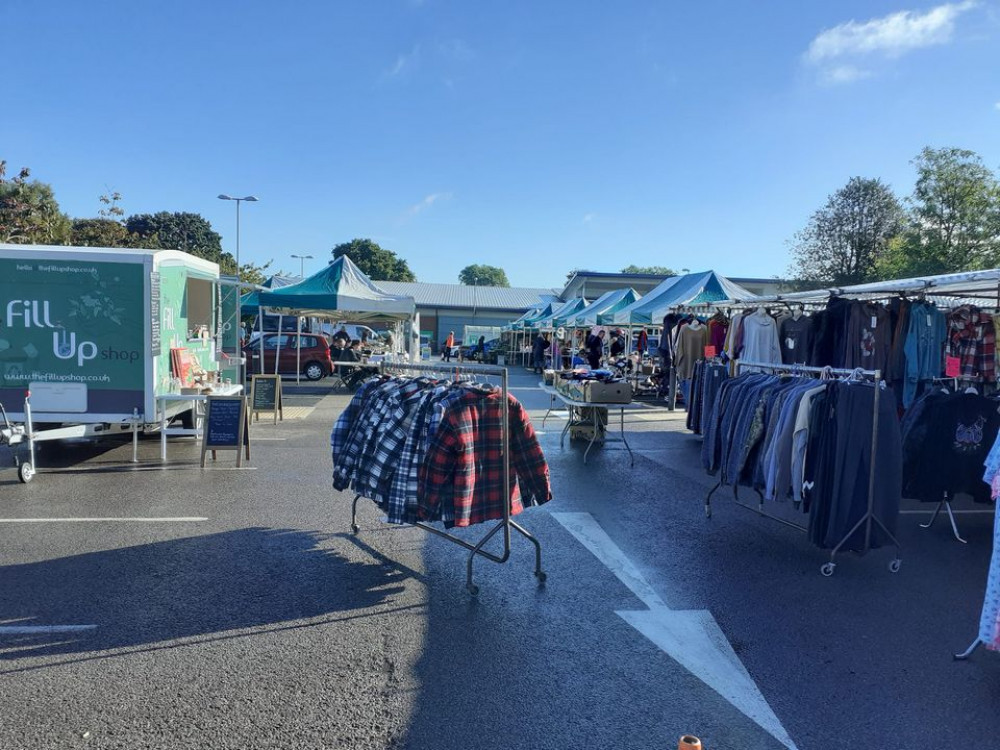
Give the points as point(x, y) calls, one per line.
point(89, 333)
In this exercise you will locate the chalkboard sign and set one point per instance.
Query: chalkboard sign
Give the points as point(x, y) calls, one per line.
point(227, 427)
point(265, 395)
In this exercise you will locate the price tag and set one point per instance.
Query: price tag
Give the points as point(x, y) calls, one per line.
point(952, 367)
point(874, 321)
point(929, 323)
point(709, 352)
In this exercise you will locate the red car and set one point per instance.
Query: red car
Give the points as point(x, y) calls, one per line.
point(314, 355)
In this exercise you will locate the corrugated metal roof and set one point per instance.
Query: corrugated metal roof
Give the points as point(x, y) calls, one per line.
point(464, 296)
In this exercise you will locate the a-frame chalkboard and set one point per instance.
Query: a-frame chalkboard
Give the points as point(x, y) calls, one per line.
point(227, 427)
point(265, 396)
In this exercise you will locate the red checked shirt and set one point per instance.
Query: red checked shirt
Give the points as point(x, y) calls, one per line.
point(464, 463)
point(972, 338)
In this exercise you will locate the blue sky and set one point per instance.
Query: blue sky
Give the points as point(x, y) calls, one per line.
point(539, 137)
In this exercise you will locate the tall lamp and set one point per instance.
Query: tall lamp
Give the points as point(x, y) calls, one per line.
point(302, 264)
point(239, 288)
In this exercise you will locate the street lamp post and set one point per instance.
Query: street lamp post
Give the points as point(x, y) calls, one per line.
point(302, 264)
point(239, 289)
point(250, 198)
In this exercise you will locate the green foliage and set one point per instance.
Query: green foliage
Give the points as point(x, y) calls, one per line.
point(107, 230)
point(955, 217)
point(29, 212)
point(376, 262)
point(661, 270)
point(250, 273)
point(847, 239)
point(188, 232)
point(482, 275)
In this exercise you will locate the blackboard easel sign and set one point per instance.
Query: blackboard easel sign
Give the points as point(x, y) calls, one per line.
point(227, 427)
point(265, 395)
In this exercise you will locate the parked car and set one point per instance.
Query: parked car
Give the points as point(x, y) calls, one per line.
point(314, 355)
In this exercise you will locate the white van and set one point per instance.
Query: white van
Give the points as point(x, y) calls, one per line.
point(357, 332)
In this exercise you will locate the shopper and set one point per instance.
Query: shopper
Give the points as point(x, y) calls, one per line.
point(595, 349)
point(538, 351)
point(448, 344)
point(481, 349)
point(618, 344)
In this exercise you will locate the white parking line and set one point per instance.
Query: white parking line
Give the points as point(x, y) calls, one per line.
point(43, 629)
point(182, 519)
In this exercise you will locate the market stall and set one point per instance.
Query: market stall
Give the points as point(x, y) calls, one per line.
point(340, 288)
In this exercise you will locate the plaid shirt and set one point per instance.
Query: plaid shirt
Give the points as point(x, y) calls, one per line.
point(351, 432)
point(972, 338)
point(464, 464)
point(386, 440)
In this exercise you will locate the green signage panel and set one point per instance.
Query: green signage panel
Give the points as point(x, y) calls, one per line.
point(72, 321)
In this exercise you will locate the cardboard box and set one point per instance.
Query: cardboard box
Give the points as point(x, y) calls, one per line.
point(585, 432)
point(596, 392)
point(548, 377)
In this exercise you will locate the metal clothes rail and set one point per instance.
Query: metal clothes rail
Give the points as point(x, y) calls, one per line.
point(506, 523)
point(869, 518)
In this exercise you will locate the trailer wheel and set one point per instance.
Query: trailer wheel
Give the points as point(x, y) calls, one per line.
point(25, 471)
point(313, 371)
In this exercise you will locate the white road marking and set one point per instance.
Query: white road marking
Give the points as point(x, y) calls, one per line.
point(43, 629)
point(182, 519)
point(691, 637)
point(971, 511)
point(229, 468)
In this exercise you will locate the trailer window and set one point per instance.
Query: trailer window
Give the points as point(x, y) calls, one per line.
point(199, 306)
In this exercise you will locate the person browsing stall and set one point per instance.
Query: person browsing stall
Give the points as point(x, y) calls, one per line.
point(595, 349)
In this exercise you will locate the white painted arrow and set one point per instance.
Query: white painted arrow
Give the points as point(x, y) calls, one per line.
point(692, 637)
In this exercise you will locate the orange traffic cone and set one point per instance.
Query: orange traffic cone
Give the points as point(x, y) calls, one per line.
point(689, 743)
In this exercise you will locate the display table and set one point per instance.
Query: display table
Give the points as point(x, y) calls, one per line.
point(197, 401)
point(574, 406)
point(553, 398)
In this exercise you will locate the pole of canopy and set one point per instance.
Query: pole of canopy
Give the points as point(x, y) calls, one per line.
point(277, 350)
point(298, 350)
point(260, 338)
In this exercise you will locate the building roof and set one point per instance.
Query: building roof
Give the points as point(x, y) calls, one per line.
point(464, 296)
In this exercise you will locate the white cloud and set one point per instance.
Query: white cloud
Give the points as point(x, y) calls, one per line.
point(427, 202)
point(404, 62)
point(587, 218)
point(844, 74)
point(836, 50)
point(997, 106)
point(892, 35)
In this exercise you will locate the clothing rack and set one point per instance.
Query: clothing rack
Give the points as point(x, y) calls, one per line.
point(869, 518)
point(506, 523)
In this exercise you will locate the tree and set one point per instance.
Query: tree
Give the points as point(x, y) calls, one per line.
point(661, 270)
point(107, 230)
point(847, 239)
point(482, 275)
point(955, 217)
point(29, 212)
point(188, 232)
point(377, 263)
point(250, 273)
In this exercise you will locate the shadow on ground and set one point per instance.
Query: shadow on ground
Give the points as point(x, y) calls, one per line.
point(195, 586)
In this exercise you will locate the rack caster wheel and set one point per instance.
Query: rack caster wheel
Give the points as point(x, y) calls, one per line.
point(894, 565)
point(540, 575)
point(827, 569)
point(708, 511)
point(25, 471)
point(473, 589)
point(355, 528)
